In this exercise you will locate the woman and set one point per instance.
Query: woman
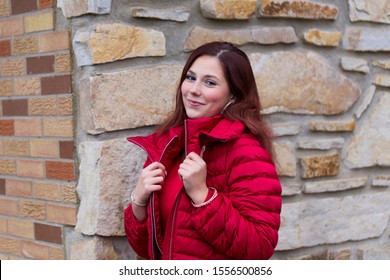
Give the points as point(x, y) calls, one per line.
point(209, 188)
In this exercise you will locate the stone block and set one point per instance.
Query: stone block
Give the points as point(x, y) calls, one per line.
point(369, 10)
point(367, 146)
point(109, 170)
point(112, 42)
point(336, 220)
point(335, 185)
point(332, 126)
point(72, 8)
point(321, 165)
point(297, 9)
point(285, 128)
point(322, 38)
point(135, 100)
point(321, 144)
point(285, 159)
point(355, 64)
point(367, 99)
point(228, 9)
point(365, 39)
point(258, 35)
point(179, 14)
point(301, 83)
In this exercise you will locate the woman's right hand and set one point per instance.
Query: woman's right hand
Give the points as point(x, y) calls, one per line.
point(150, 180)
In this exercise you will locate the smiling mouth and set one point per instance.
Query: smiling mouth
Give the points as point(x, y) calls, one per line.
point(194, 103)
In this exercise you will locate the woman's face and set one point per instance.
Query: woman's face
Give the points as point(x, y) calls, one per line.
point(205, 90)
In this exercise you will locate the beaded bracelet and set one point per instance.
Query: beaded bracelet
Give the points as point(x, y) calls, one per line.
point(208, 201)
point(135, 202)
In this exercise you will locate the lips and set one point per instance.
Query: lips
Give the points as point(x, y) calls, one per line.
point(194, 103)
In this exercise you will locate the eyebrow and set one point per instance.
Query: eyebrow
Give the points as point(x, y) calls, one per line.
point(206, 76)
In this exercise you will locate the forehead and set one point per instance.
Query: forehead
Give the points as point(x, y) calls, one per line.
point(207, 65)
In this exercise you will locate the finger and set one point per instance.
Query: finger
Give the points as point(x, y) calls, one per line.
point(156, 165)
point(154, 180)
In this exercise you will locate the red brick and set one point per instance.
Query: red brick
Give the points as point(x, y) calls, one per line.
point(23, 6)
point(66, 149)
point(5, 48)
point(56, 84)
point(17, 107)
point(60, 170)
point(44, 4)
point(40, 64)
point(7, 128)
point(2, 186)
point(48, 233)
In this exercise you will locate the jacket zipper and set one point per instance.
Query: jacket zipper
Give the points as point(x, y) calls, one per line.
point(173, 226)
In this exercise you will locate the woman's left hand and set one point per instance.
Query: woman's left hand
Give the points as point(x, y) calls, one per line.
point(193, 172)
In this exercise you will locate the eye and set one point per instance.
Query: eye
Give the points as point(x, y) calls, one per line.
point(190, 77)
point(211, 83)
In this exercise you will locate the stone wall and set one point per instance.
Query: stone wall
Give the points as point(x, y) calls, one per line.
point(38, 197)
point(322, 69)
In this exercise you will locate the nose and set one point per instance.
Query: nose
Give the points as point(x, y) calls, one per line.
point(195, 89)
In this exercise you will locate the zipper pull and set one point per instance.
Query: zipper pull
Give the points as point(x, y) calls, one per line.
point(202, 150)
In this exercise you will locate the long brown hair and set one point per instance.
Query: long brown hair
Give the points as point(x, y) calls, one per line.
point(242, 85)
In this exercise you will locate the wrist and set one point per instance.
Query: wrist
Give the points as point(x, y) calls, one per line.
point(135, 201)
point(200, 196)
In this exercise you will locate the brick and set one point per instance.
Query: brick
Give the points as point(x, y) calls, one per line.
point(57, 127)
point(27, 86)
point(8, 206)
point(65, 105)
point(47, 191)
point(56, 84)
point(28, 127)
point(66, 149)
point(5, 8)
point(7, 166)
point(5, 48)
point(61, 214)
point(42, 106)
point(3, 225)
point(7, 127)
point(48, 233)
point(16, 107)
point(69, 193)
point(25, 45)
point(11, 26)
point(39, 22)
point(45, 4)
point(54, 41)
point(21, 228)
point(62, 63)
point(60, 170)
point(13, 67)
point(30, 168)
point(20, 188)
point(40, 64)
point(2, 186)
point(1, 147)
point(56, 253)
point(6, 87)
point(10, 245)
point(44, 148)
point(23, 6)
point(33, 250)
point(14, 147)
point(30, 209)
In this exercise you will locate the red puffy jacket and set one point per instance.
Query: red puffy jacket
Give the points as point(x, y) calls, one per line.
point(242, 222)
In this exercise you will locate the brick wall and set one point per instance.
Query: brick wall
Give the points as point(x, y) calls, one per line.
point(37, 167)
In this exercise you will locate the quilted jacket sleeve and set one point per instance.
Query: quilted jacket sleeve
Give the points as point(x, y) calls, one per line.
point(244, 219)
point(136, 232)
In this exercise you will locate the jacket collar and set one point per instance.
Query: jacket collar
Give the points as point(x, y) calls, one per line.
point(191, 136)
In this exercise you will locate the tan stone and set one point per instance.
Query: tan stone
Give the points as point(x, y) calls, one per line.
point(322, 38)
point(71, 8)
point(20, 188)
point(9, 245)
point(65, 105)
point(6, 87)
point(30, 168)
point(13, 67)
point(25, 45)
point(382, 80)
point(285, 159)
point(228, 9)
point(60, 127)
point(28, 127)
point(44, 148)
point(63, 214)
point(179, 14)
point(259, 35)
point(135, 98)
point(332, 126)
point(7, 166)
point(369, 10)
point(21, 228)
point(39, 22)
point(62, 63)
point(355, 64)
point(335, 185)
point(301, 83)
point(368, 96)
point(111, 42)
point(47, 191)
point(5, 8)
point(385, 64)
point(321, 165)
point(297, 9)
